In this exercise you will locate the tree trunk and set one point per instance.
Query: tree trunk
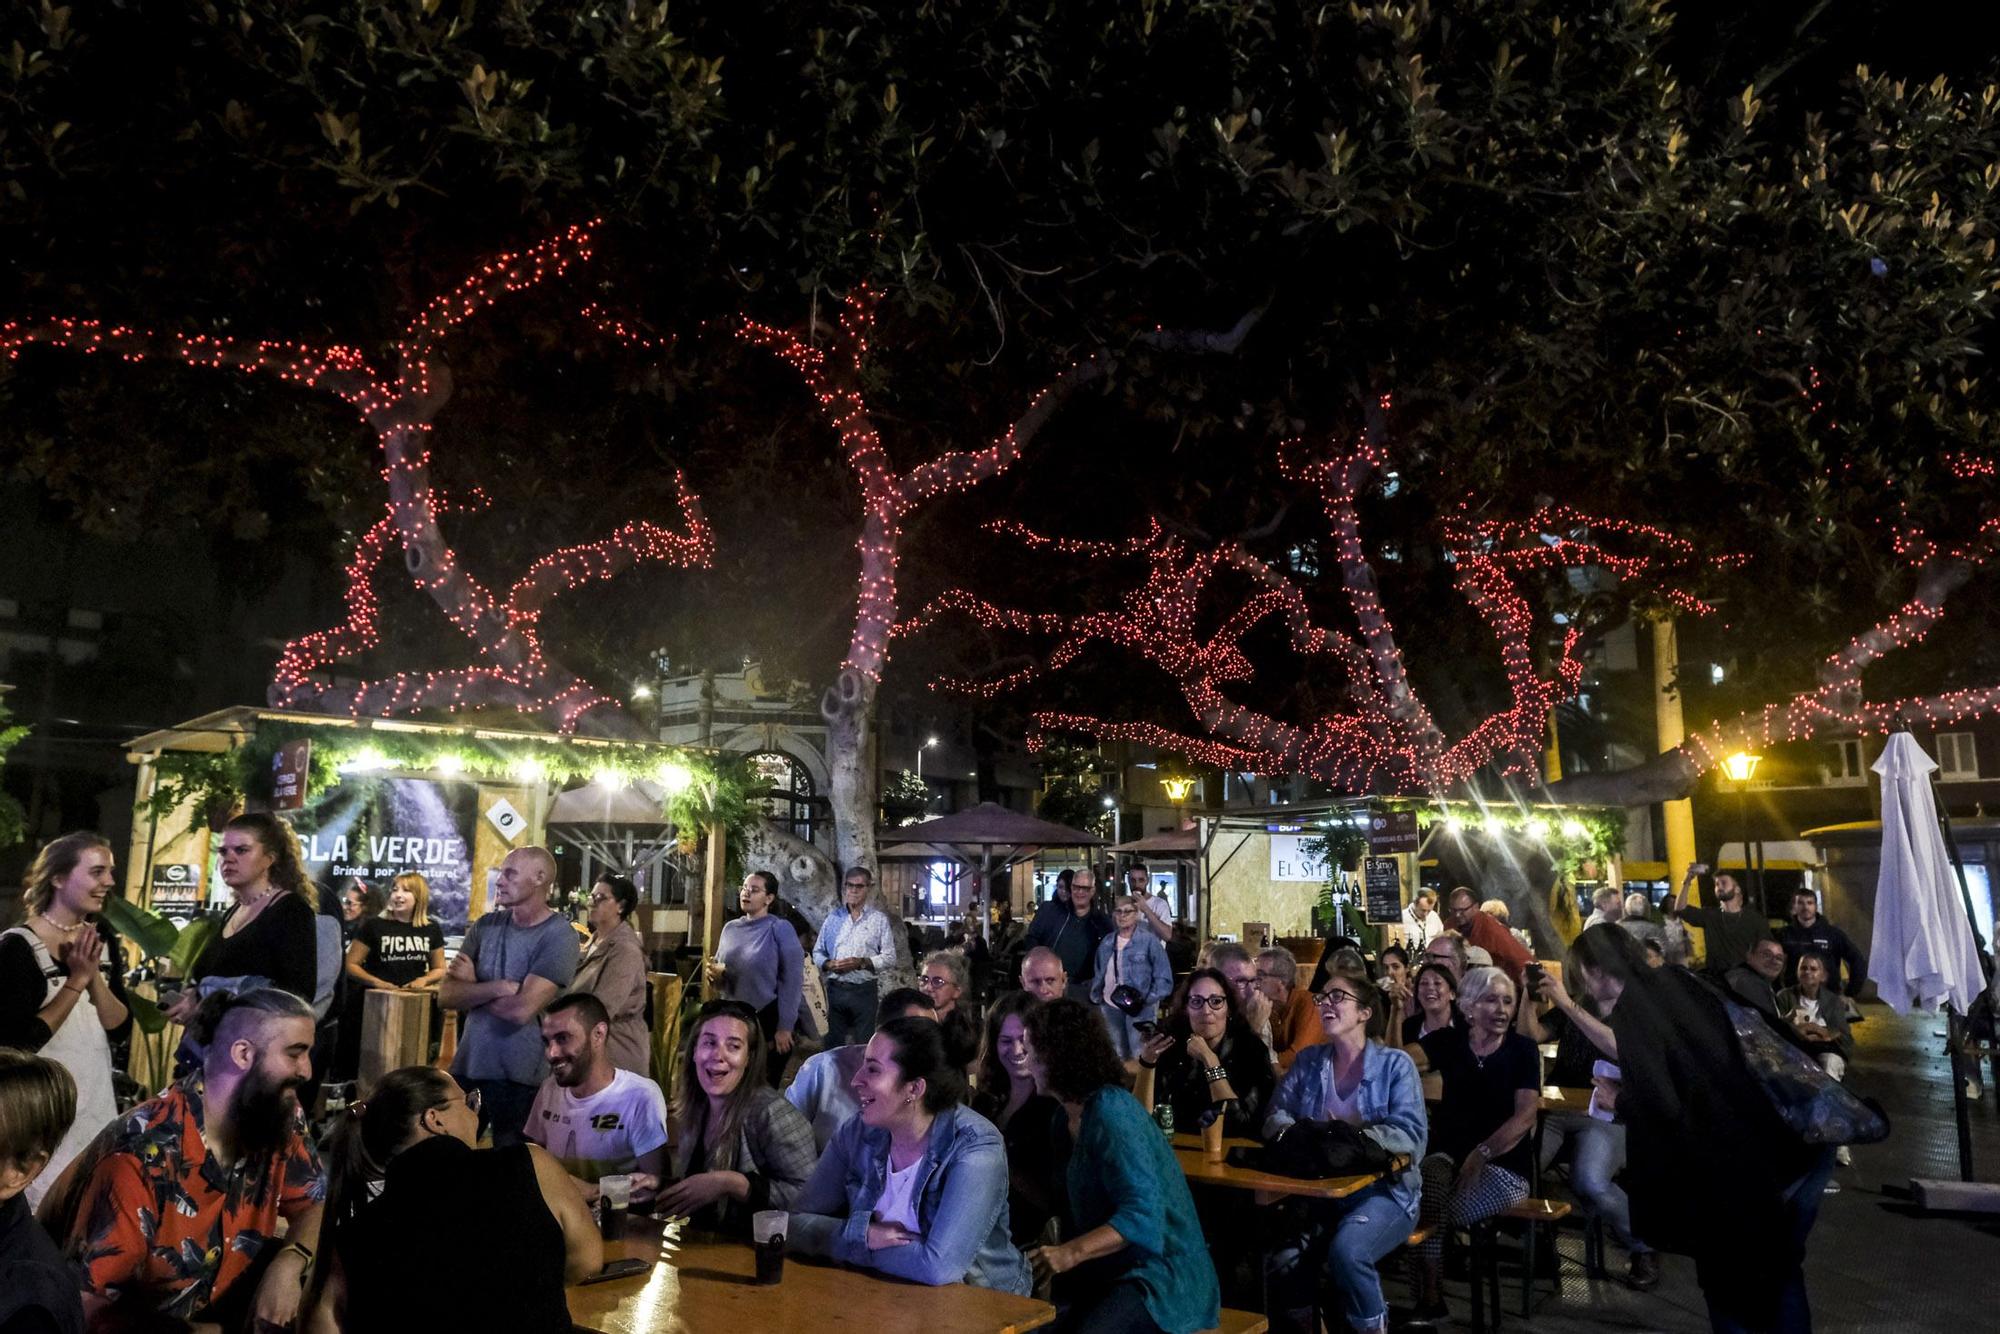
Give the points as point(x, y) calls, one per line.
point(849, 709)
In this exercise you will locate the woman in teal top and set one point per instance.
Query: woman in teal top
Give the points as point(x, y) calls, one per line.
point(1137, 1263)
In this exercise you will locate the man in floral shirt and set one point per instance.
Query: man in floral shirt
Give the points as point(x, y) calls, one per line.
point(181, 1212)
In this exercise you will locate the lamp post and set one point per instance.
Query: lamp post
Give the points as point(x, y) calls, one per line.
point(1117, 819)
point(928, 743)
point(1741, 767)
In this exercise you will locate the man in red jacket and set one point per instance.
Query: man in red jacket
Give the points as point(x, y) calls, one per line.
point(1510, 956)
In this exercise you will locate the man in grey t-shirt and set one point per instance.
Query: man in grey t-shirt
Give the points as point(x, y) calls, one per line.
point(515, 960)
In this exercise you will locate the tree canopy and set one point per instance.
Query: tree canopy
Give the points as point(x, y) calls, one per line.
point(1668, 262)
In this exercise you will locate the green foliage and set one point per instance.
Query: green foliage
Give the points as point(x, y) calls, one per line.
point(905, 797)
point(159, 941)
point(1073, 788)
point(13, 820)
point(701, 788)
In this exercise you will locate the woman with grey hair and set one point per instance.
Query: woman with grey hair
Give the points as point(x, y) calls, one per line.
point(1478, 1164)
point(946, 979)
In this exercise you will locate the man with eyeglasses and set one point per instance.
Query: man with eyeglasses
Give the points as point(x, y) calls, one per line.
point(1074, 935)
point(855, 946)
point(1294, 1017)
point(1233, 961)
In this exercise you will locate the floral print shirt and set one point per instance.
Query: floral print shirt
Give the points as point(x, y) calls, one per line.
point(164, 1218)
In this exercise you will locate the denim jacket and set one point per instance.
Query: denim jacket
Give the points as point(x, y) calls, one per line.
point(1392, 1106)
point(961, 1200)
point(1144, 966)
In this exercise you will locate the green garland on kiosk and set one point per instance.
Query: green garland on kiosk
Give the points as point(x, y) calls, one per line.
point(702, 788)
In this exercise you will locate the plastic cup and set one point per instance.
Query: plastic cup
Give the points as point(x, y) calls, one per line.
point(614, 1198)
point(1211, 1141)
point(768, 1230)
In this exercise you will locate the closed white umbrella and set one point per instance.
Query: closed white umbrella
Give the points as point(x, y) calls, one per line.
point(1923, 952)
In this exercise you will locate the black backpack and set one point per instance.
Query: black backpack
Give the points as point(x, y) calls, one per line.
point(1310, 1150)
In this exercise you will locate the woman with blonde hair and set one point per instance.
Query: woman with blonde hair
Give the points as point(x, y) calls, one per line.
point(62, 988)
point(738, 1146)
point(270, 934)
point(402, 949)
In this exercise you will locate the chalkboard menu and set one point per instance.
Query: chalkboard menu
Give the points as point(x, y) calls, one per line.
point(1383, 879)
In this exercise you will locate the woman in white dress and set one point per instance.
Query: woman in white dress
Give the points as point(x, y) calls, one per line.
point(56, 996)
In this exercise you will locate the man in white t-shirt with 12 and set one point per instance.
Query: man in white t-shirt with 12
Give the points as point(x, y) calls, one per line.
point(594, 1118)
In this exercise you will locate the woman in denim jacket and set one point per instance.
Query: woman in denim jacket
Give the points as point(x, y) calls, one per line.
point(915, 1183)
point(1349, 1078)
point(1130, 956)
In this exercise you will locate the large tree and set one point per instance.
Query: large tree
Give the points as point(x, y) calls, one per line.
point(1711, 275)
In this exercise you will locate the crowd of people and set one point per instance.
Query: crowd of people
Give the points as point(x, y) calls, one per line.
point(1016, 1150)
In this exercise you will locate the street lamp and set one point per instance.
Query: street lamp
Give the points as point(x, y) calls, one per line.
point(928, 743)
point(1117, 819)
point(1178, 789)
point(1741, 767)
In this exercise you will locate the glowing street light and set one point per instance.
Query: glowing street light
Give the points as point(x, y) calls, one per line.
point(1742, 766)
point(929, 741)
point(1178, 789)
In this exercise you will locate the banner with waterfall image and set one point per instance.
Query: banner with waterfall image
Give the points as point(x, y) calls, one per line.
point(374, 829)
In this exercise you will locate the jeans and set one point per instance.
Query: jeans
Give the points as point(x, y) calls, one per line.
point(850, 1011)
point(1769, 1298)
point(774, 1060)
point(1597, 1156)
point(1096, 1297)
point(503, 1108)
point(1344, 1240)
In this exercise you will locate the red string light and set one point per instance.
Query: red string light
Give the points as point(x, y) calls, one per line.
point(505, 632)
point(1385, 738)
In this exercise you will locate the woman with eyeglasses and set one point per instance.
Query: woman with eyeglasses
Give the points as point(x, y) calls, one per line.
point(613, 969)
point(946, 980)
point(1375, 1088)
point(405, 1178)
point(1204, 1057)
point(1135, 958)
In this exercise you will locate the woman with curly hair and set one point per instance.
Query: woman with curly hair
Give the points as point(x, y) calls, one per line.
point(270, 933)
point(1205, 1056)
point(1027, 1118)
point(1137, 1261)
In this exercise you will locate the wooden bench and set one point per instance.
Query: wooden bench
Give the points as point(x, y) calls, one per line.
point(1240, 1322)
point(1485, 1268)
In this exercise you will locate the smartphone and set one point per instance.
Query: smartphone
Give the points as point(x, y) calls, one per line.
point(617, 1269)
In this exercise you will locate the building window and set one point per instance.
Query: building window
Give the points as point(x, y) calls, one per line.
point(1843, 764)
point(786, 792)
point(1958, 757)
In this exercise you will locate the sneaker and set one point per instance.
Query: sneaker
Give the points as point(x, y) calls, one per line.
point(1844, 1156)
point(1832, 1188)
point(1645, 1271)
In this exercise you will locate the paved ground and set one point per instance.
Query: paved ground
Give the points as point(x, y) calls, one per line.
point(1875, 1263)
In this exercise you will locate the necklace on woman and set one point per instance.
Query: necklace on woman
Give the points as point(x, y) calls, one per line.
point(1479, 1060)
point(58, 926)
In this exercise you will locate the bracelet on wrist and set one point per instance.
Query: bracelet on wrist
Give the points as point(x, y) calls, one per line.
point(1216, 1074)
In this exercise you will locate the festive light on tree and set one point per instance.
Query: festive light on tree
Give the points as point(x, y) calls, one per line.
point(1385, 739)
point(512, 671)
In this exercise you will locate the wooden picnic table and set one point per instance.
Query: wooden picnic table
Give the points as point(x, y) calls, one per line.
point(698, 1284)
point(1200, 1171)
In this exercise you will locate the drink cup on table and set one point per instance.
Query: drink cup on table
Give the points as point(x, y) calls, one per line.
point(768, 1230)
point(614, 1200)
point(1211, 1140)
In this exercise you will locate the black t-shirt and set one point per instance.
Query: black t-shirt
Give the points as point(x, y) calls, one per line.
point(1413, 1026)
point(1730, 934)
point(398, 953)
point(1479, 1093)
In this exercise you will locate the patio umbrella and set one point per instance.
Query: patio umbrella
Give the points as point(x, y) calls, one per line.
point(1923, 952)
